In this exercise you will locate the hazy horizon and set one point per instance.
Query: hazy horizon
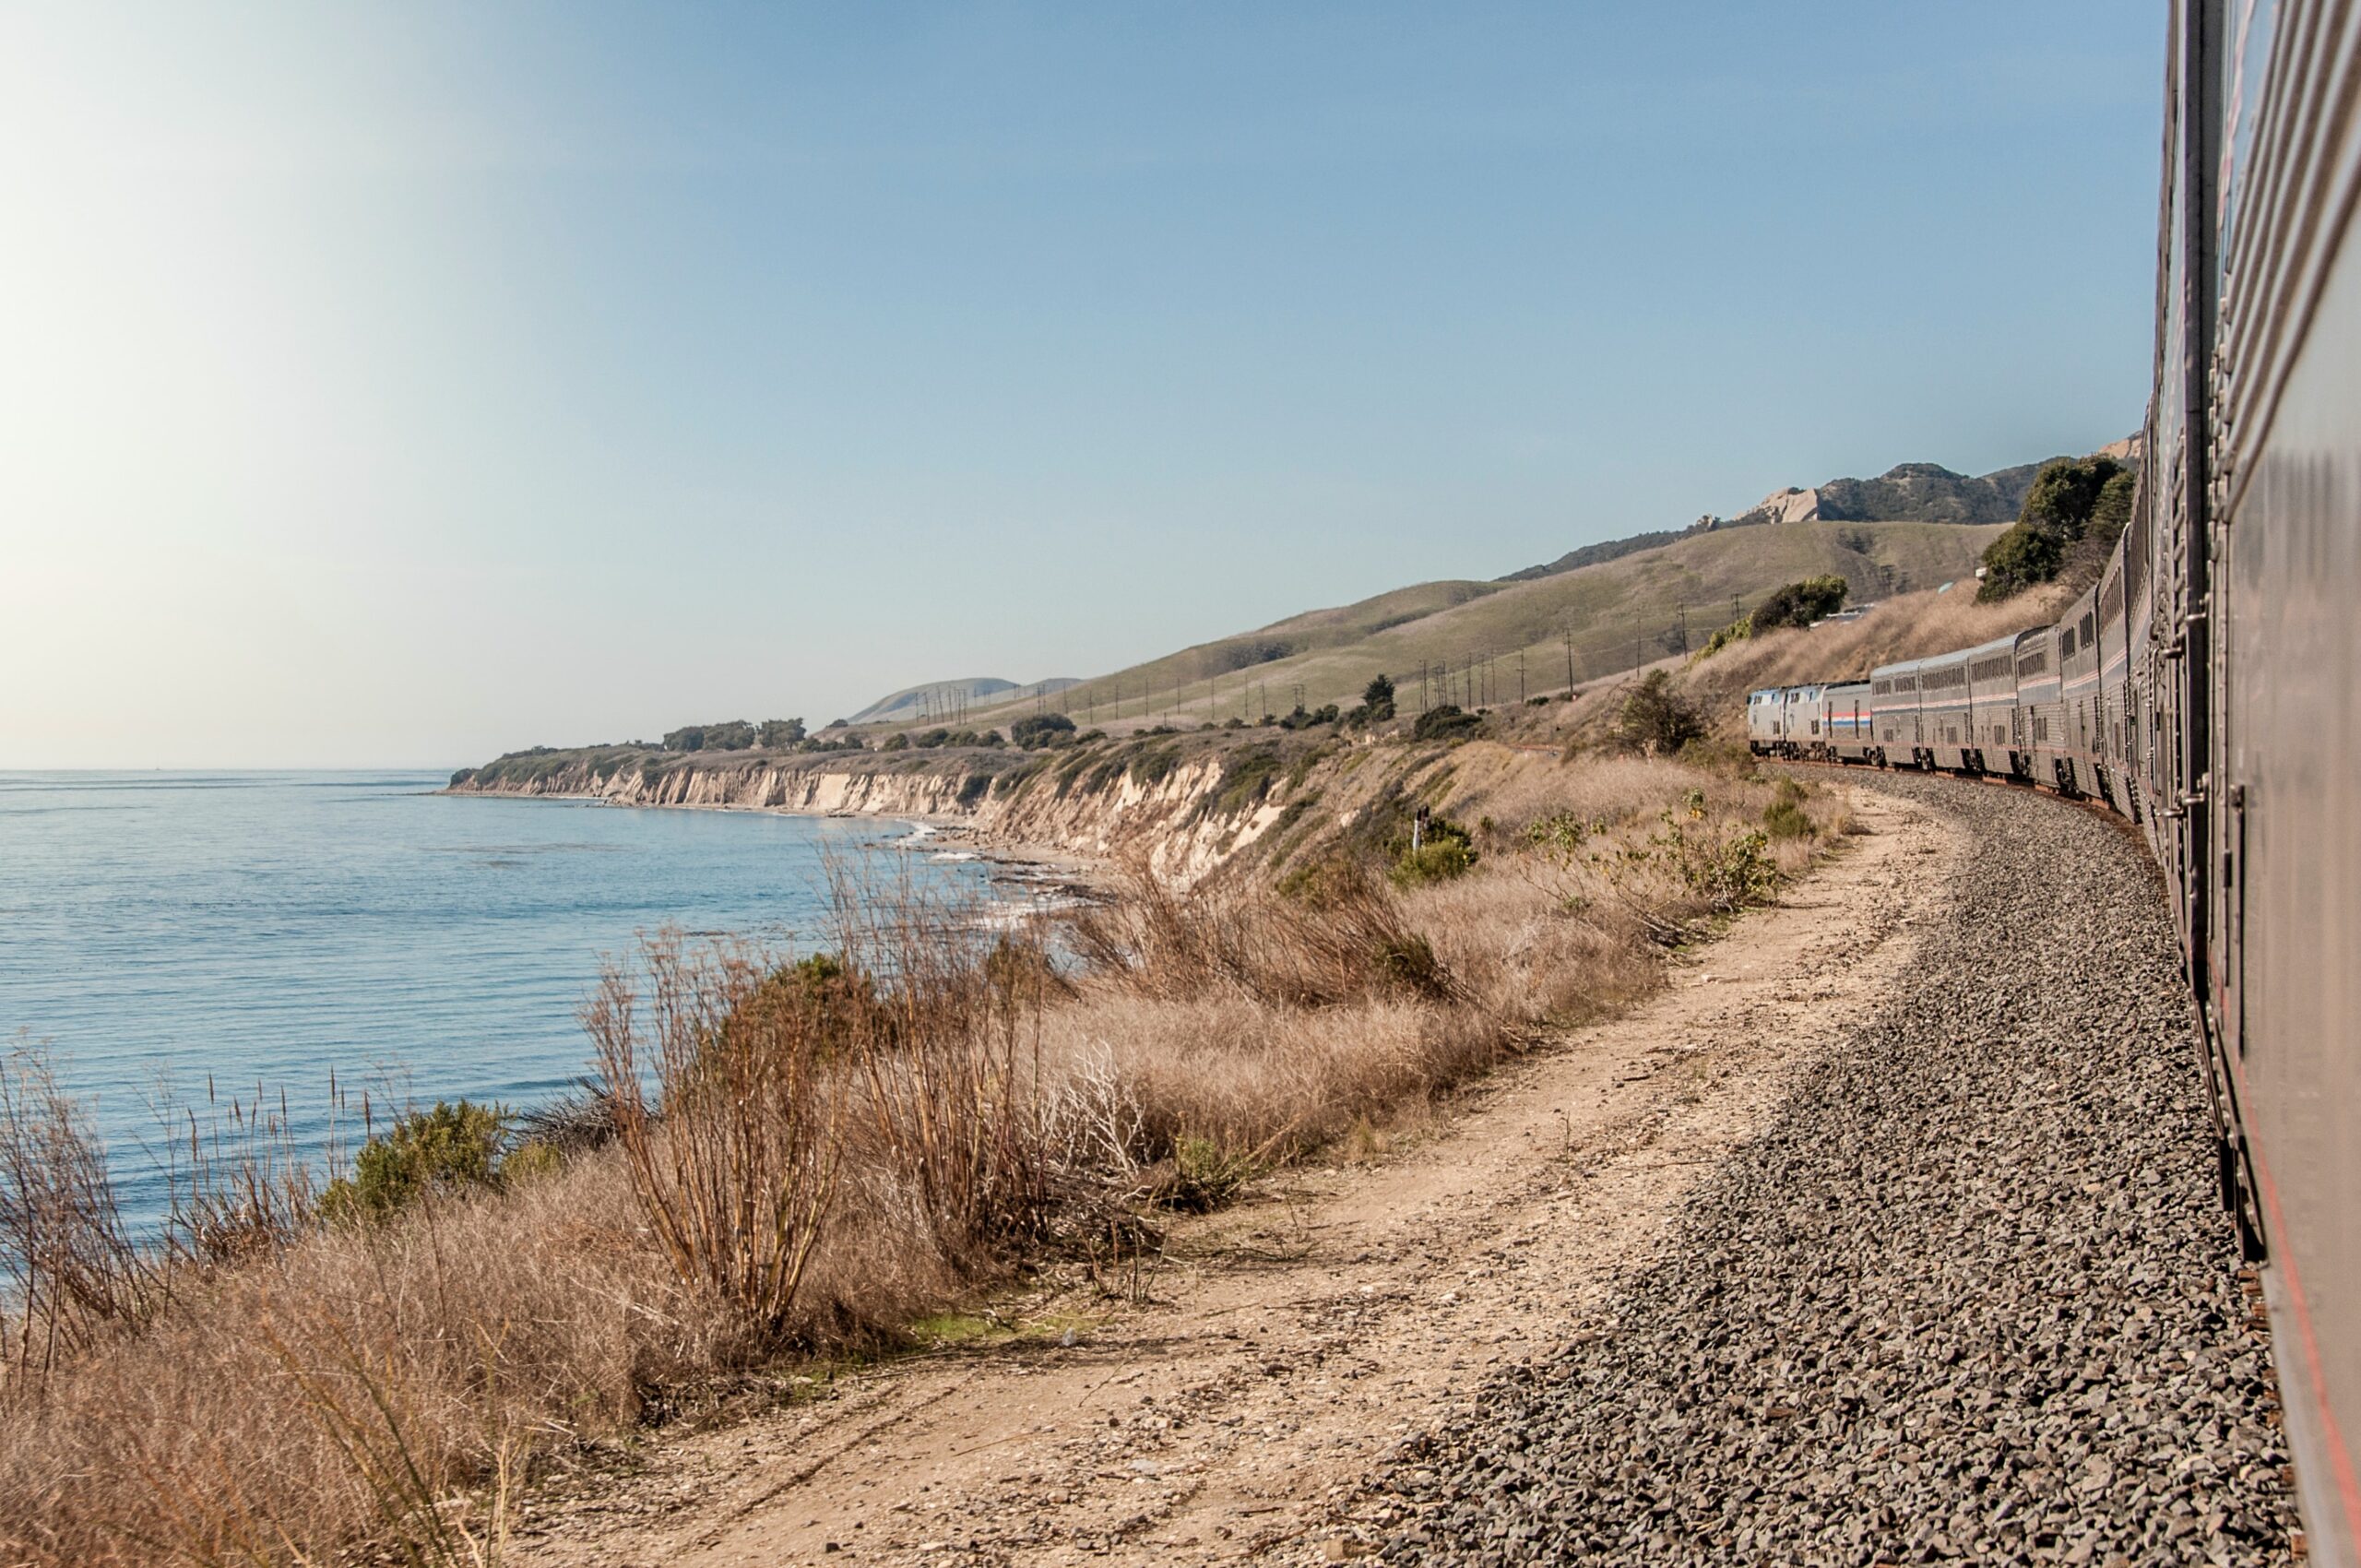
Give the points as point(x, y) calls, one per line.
point(389, 387)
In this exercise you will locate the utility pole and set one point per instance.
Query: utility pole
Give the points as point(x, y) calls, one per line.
point(1520, 677)
point(1569, 632)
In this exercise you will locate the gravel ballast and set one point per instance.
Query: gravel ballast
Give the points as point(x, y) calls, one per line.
point(1971, 1297)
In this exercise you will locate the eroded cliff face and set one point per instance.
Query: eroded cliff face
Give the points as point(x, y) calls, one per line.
point(1173, 821)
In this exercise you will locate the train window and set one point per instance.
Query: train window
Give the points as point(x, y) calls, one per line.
point(2086, 628)
point(2066, 643)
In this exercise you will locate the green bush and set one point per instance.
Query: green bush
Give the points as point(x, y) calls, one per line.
point(1784, 817)
point(1377, 700)
point(1246, 779)
point(1445, 722)
point(1657, 717)
point(896, 742)
point(1737, 631)
point(1800, 603)
point(1446, 849)
point(1037, 729)
point(1206, 1174)
point(1153, 765)
point(1439, 861)
point(450, 1149)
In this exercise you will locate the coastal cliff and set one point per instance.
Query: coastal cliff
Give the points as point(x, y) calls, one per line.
point(1185, 805)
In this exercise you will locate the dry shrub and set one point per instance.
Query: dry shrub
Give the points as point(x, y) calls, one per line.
point(1139, 1076)
point(1343, 938)
point(225, 1430)
point(948, 1079)
point(738, 1180)
point(77, 1275)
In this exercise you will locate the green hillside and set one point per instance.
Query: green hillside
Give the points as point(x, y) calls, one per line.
point(1470, 637)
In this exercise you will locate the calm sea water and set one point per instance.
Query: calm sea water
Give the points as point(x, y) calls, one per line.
point(265, 927)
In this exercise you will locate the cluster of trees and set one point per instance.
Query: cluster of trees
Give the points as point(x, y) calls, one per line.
point(1800, 603)
point(2073, 515)
point(929, 739)
point(1377, 703)
point(735, 735)
point(1444, 721)
point(1037, 729)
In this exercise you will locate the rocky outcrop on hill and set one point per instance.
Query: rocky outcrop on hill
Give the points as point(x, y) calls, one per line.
point(1908, 492)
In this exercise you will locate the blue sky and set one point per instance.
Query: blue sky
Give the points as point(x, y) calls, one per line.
point(399, 384)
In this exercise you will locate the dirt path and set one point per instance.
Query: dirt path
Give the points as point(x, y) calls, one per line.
point(1287, 1342)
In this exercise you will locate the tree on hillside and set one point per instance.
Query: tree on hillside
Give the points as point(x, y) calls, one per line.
point(2064, 494)
point(2111, 513)
point(1036, 730)
point(1801, 604)
point(2072, 501)
point(1378, 698)
point(1657, 717)
point(735, 736)
point(687, 737)
point(2019, 559)
point(781, 732)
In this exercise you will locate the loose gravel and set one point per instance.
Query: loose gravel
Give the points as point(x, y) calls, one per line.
point(1972, 1296)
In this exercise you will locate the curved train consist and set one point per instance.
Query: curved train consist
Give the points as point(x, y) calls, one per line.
point(2208, 686)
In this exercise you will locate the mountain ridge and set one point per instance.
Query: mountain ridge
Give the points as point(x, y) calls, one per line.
point(1907, 493)
point(941, 699)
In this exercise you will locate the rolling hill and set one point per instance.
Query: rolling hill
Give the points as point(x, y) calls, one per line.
point(938, 700)
point(1475, 642)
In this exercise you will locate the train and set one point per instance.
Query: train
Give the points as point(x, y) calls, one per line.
point(2207, 687)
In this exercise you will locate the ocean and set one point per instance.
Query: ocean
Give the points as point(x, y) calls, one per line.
point(162, 933)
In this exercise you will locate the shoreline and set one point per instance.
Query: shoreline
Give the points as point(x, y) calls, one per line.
point(1081, 879)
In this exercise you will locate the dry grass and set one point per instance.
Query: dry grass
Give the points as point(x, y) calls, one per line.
point(804, 1161)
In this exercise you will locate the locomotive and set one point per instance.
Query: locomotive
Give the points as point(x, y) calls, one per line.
point(2207, 685)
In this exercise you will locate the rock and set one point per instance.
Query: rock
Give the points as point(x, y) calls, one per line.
point(1969, 1295)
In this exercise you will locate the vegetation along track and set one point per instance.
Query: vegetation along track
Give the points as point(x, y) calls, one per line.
point(1970, 1296)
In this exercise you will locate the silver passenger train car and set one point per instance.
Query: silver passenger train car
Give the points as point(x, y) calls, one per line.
point(2207, 685)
